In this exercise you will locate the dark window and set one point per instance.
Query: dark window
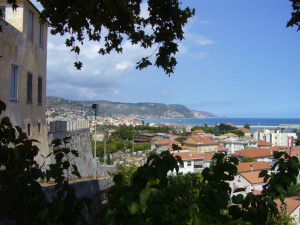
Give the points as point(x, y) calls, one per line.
point(13, 91)
point(189, 163)
point(40, 90)
point(29, 87)
point(2, 13)
point(28, 130)
point(39, 128)
point(30, 25)
point(41, 30)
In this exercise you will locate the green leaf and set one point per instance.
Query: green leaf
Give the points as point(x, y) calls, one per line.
point(263, 173)
point(145, 194)
point(133, 208)
point(237, 199)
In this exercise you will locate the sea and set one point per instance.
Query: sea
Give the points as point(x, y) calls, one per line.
point(235, 121)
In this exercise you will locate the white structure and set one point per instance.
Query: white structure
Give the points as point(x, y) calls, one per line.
point(234, 144)
point(249, 180)
point(275, 136)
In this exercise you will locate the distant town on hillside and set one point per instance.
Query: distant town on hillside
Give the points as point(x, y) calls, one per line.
point(62, 107)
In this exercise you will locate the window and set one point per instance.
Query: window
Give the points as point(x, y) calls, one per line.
point(40, 90)
point(30, 25)
point(41, 30)
point(189, 163)
point(13, 92)
point(39, 128)
point(29, 88)
point(2, 13)
point(28, 130)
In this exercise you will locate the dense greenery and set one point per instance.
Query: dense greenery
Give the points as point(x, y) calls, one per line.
point(205, 128)
point(248, 159)
point(152, 197)
point(247, 126)
point(21, 195)
point(237, 132)
point(222, 129)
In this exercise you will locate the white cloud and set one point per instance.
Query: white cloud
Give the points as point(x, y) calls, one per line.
point(199, 55)
point(198, 39)
point(165, 93)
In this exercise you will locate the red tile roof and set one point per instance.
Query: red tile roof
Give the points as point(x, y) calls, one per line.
point(253, 178)
point(246, 167)
point(187, 155)
point(264, 143)
point(230, 124)
point(221, 149)
point(245, 130)
point(231, 135)
point(201, 140)
point(198, 131)
point(291, 203)
point(166, 142)
point(254, 152)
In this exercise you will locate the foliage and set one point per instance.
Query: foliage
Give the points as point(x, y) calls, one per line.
point(282, 218)
point(108, 22)
point(256, 208)
point(237, 132)
point(204, 128)
point(298, 141)
point(125, 173)
point(293, 190)
point(21, 195)
point(222, 128)
point(151, 198)
point(248, 159)
point(295, 20)
point(247, 126)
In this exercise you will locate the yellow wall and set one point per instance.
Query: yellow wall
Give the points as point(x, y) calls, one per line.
point(15, 48)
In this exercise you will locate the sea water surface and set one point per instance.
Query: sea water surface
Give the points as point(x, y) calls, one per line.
point(235, 121)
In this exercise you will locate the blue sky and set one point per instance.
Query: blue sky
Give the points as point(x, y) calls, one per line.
point(238, 60)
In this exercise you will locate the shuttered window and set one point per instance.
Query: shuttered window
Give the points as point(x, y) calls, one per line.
point(29, 87)
point(13, 91)
point(40, 90)
point(30, 25)
point(41, 31)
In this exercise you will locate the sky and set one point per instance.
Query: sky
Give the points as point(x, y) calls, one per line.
point(238, 59)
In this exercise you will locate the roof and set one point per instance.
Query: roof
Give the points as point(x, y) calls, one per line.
point(230, 124)
point(149, 134)
point(231, 135)
point(254, 152)
point(166, 142)
point(246, 167)
point(245, 130)
point(198, 131)
point(295, 151)
point(291, 203)
point(264, 143)
point(253, 178)
point(201, 140)
point(187, 155)
point(221, 149)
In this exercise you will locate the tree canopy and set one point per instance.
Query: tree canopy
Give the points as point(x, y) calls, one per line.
point(110, 22)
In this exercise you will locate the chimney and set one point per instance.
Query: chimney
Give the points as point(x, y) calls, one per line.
point(190, 154)
point(271, 152)
point(241, 154)
point(251, 167)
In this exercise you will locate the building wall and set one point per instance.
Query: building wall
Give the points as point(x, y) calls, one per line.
point(29, 57)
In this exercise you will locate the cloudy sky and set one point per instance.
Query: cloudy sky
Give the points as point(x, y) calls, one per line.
point(237, 60)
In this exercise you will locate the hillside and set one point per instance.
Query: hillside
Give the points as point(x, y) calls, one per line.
point(120, 109)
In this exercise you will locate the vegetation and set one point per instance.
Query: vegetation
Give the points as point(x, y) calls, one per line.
point(237, 132)
point(21, 195)
point(248, 159)
point(247, 126)
point(222, 129)
point(204, 128)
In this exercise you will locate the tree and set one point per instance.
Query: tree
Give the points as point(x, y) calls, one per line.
point(109, 22)
point(248, 159)
point(247, 126)
point(237, 132)
point(295, 20)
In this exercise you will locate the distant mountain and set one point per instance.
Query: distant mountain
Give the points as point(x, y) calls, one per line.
point(119, 109)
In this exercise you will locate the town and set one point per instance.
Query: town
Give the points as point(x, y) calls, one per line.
point(83, 166)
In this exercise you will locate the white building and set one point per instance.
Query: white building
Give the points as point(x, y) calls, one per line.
point(275, 136)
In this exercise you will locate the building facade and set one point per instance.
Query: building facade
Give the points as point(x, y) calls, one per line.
point(23, 62)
